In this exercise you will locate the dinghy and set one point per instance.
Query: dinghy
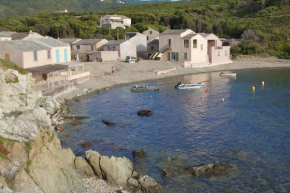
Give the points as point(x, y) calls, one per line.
point(228, 74)
point(137, 88)
point(188, 86)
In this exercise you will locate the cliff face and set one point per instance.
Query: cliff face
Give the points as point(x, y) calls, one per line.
point(31, 156)
point(23, 111)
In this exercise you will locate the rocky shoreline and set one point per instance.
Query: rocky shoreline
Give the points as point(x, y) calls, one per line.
point(31, 156)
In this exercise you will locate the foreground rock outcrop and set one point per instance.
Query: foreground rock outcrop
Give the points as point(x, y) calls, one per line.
point(23, 111)
point(31, 156)
point(119, 172)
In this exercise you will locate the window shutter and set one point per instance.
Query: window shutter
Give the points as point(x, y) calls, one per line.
point(176, 55)
point(168, 56)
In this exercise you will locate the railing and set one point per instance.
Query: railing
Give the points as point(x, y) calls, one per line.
point(165, 48)
point(64, 88)
point(77, 76)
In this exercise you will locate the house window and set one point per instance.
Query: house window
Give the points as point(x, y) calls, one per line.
point(226, 52)
point(48, 54)
point(169, 43)
point(185, 55)
point(168, 56)
point(35, 55)
point(92, 47)
point(147, 38)
point(113, 48)
point(201, 46)
point(194, 43)
point(109, 49)
point(78, 47)
point(219, 53)
point(186, 43)
point(152, 47)
point(150, 32)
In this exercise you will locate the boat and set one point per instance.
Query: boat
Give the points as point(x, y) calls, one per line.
point(188, 86)
point(137, 88)
point(228, 74)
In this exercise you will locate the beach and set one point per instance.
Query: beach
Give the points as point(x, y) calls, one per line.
point(145, 70)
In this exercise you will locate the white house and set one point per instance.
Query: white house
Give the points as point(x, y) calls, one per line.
point(114, 21)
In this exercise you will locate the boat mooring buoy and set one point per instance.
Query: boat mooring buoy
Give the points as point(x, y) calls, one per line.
point(150, 96)
point(223, 99)
point(263, 84)
point(253, 88)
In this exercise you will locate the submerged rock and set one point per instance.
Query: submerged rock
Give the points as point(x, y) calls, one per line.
point(144, 112)
point(211, 170)
point(107, 122)
point(138, 154)
point(59, 128)
point(87, 144)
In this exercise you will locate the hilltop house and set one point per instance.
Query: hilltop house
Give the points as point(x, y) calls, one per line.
point(123, 47)
point(192, 49)
point(114, 21)
point(151, 34)
point(87, 50)
point(140, 42)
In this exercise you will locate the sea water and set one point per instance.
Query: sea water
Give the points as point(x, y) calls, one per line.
point(249, 129)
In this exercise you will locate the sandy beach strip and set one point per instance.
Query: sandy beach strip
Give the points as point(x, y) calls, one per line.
point(145, 70)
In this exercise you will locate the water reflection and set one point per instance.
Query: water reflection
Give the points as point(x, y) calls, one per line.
point(249, 130)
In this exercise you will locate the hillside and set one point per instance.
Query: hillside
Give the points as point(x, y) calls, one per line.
point(266, 22)
point(30, 7)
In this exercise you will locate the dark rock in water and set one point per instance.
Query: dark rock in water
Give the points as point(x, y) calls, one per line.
point(80, 153)
point(138, 154)
point(144, 112)
point(87, 144)
point(210, 170)
point(59, 128)
point(173, 172)
point(108, 122)
point(74, 120)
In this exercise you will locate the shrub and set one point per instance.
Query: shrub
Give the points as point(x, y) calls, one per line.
point(13, 66)
point(235, 50)
point(16, 80)
point(249, 47)
point(157, 58)
point(282, 51)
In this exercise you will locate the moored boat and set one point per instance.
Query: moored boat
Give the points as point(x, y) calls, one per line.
point(228, 74)
point(188, 86)
point(137, 88)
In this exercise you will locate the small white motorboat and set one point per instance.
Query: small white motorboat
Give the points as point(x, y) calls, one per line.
point(228, 74)
point(188, 86)
point(137, 88)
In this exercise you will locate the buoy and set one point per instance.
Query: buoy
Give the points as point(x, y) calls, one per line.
point(223, 99)
point(253, 88)
point(150, 96)
point(263, 83)
point(206, 90)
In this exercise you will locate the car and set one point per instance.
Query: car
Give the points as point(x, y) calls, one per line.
point(130, 59)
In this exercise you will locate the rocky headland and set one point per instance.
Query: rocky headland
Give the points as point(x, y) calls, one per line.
point(31, 156)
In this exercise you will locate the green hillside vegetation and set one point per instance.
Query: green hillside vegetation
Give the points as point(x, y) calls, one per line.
point(30, 7)
point(265, 24)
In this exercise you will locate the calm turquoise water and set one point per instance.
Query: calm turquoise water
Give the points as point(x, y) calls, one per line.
point(250, 129)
